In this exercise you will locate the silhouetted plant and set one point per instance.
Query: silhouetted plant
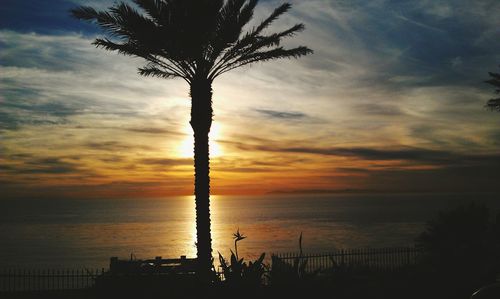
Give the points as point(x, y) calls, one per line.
point(283, 272)
point(494, 104)
point(196, 40)
point(237, 237)
point(463, 245)
point(238, 273)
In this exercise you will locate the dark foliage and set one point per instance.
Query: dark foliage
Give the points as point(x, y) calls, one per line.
point(238, 275)
point(283, 273)
point(494, 104)
point(243, 275)
point(462, 247)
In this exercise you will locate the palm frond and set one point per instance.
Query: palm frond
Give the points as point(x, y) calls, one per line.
point(276, 13)
point(253, 42)
point(268, 41)
point(125, 48)
point(137, 35)
point(495, 81)
point(151, 70)
point(132, 49)
point(493, 104)
point(228, 25)
point(85, 13)
point(228, 28)
point(154, 8)
point(103, 18)
point(120, 21)
point(276, 53)
point(496, 77)
point(133, 26)
point(246, 12)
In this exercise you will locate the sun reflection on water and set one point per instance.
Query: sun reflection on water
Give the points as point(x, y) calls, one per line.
point(95, 230)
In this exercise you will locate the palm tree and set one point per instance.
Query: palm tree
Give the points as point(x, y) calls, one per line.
point(494, 104)
point(196, 40)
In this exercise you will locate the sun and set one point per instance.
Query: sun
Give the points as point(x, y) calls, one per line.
point(186, 148)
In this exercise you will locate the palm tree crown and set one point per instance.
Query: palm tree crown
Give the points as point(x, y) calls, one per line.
point(196, 40)
point(191, 38)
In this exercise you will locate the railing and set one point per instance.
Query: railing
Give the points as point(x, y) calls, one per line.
point(378, 259)
point(22, 280)
point(181, 265)
point(373, 259)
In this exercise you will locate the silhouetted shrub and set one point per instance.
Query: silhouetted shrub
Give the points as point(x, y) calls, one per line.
point(462, 245)
point(494, 104)
point(284, 273)
point(239, 274)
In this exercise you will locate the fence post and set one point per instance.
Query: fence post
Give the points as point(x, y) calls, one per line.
point(408, 254)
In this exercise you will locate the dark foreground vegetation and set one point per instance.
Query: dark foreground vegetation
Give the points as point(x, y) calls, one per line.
point(459, 252)
point(374, 285)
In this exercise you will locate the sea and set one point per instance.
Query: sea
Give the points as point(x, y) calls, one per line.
point(72, 234)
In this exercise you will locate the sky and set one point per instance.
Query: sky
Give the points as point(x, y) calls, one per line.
point(392, 100)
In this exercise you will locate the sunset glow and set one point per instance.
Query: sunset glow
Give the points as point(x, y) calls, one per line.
point(186, 147)
point(373, 109)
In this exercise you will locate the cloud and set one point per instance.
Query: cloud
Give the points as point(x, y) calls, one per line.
point(111, 159)
point(244, 170)
point(47, 17)
point(97, 4)
point(166, 162)
point(420, 24)
point(475, 174)
point(28, 107)
point(8, 121)
point(409, 154)
point(45, 165)
point(11, 121)
point(376, 109)
point(113, 146)
point(58, 74)
point(281, 115)
point(7, 167)
point(151, 130)
point(412, 155)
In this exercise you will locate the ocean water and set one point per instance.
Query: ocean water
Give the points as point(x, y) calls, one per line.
point(86, 233)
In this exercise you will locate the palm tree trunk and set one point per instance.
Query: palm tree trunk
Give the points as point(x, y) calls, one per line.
point(201, 121)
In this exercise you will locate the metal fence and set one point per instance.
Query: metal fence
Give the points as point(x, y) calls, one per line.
point(372, 259)
point(21, 280)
